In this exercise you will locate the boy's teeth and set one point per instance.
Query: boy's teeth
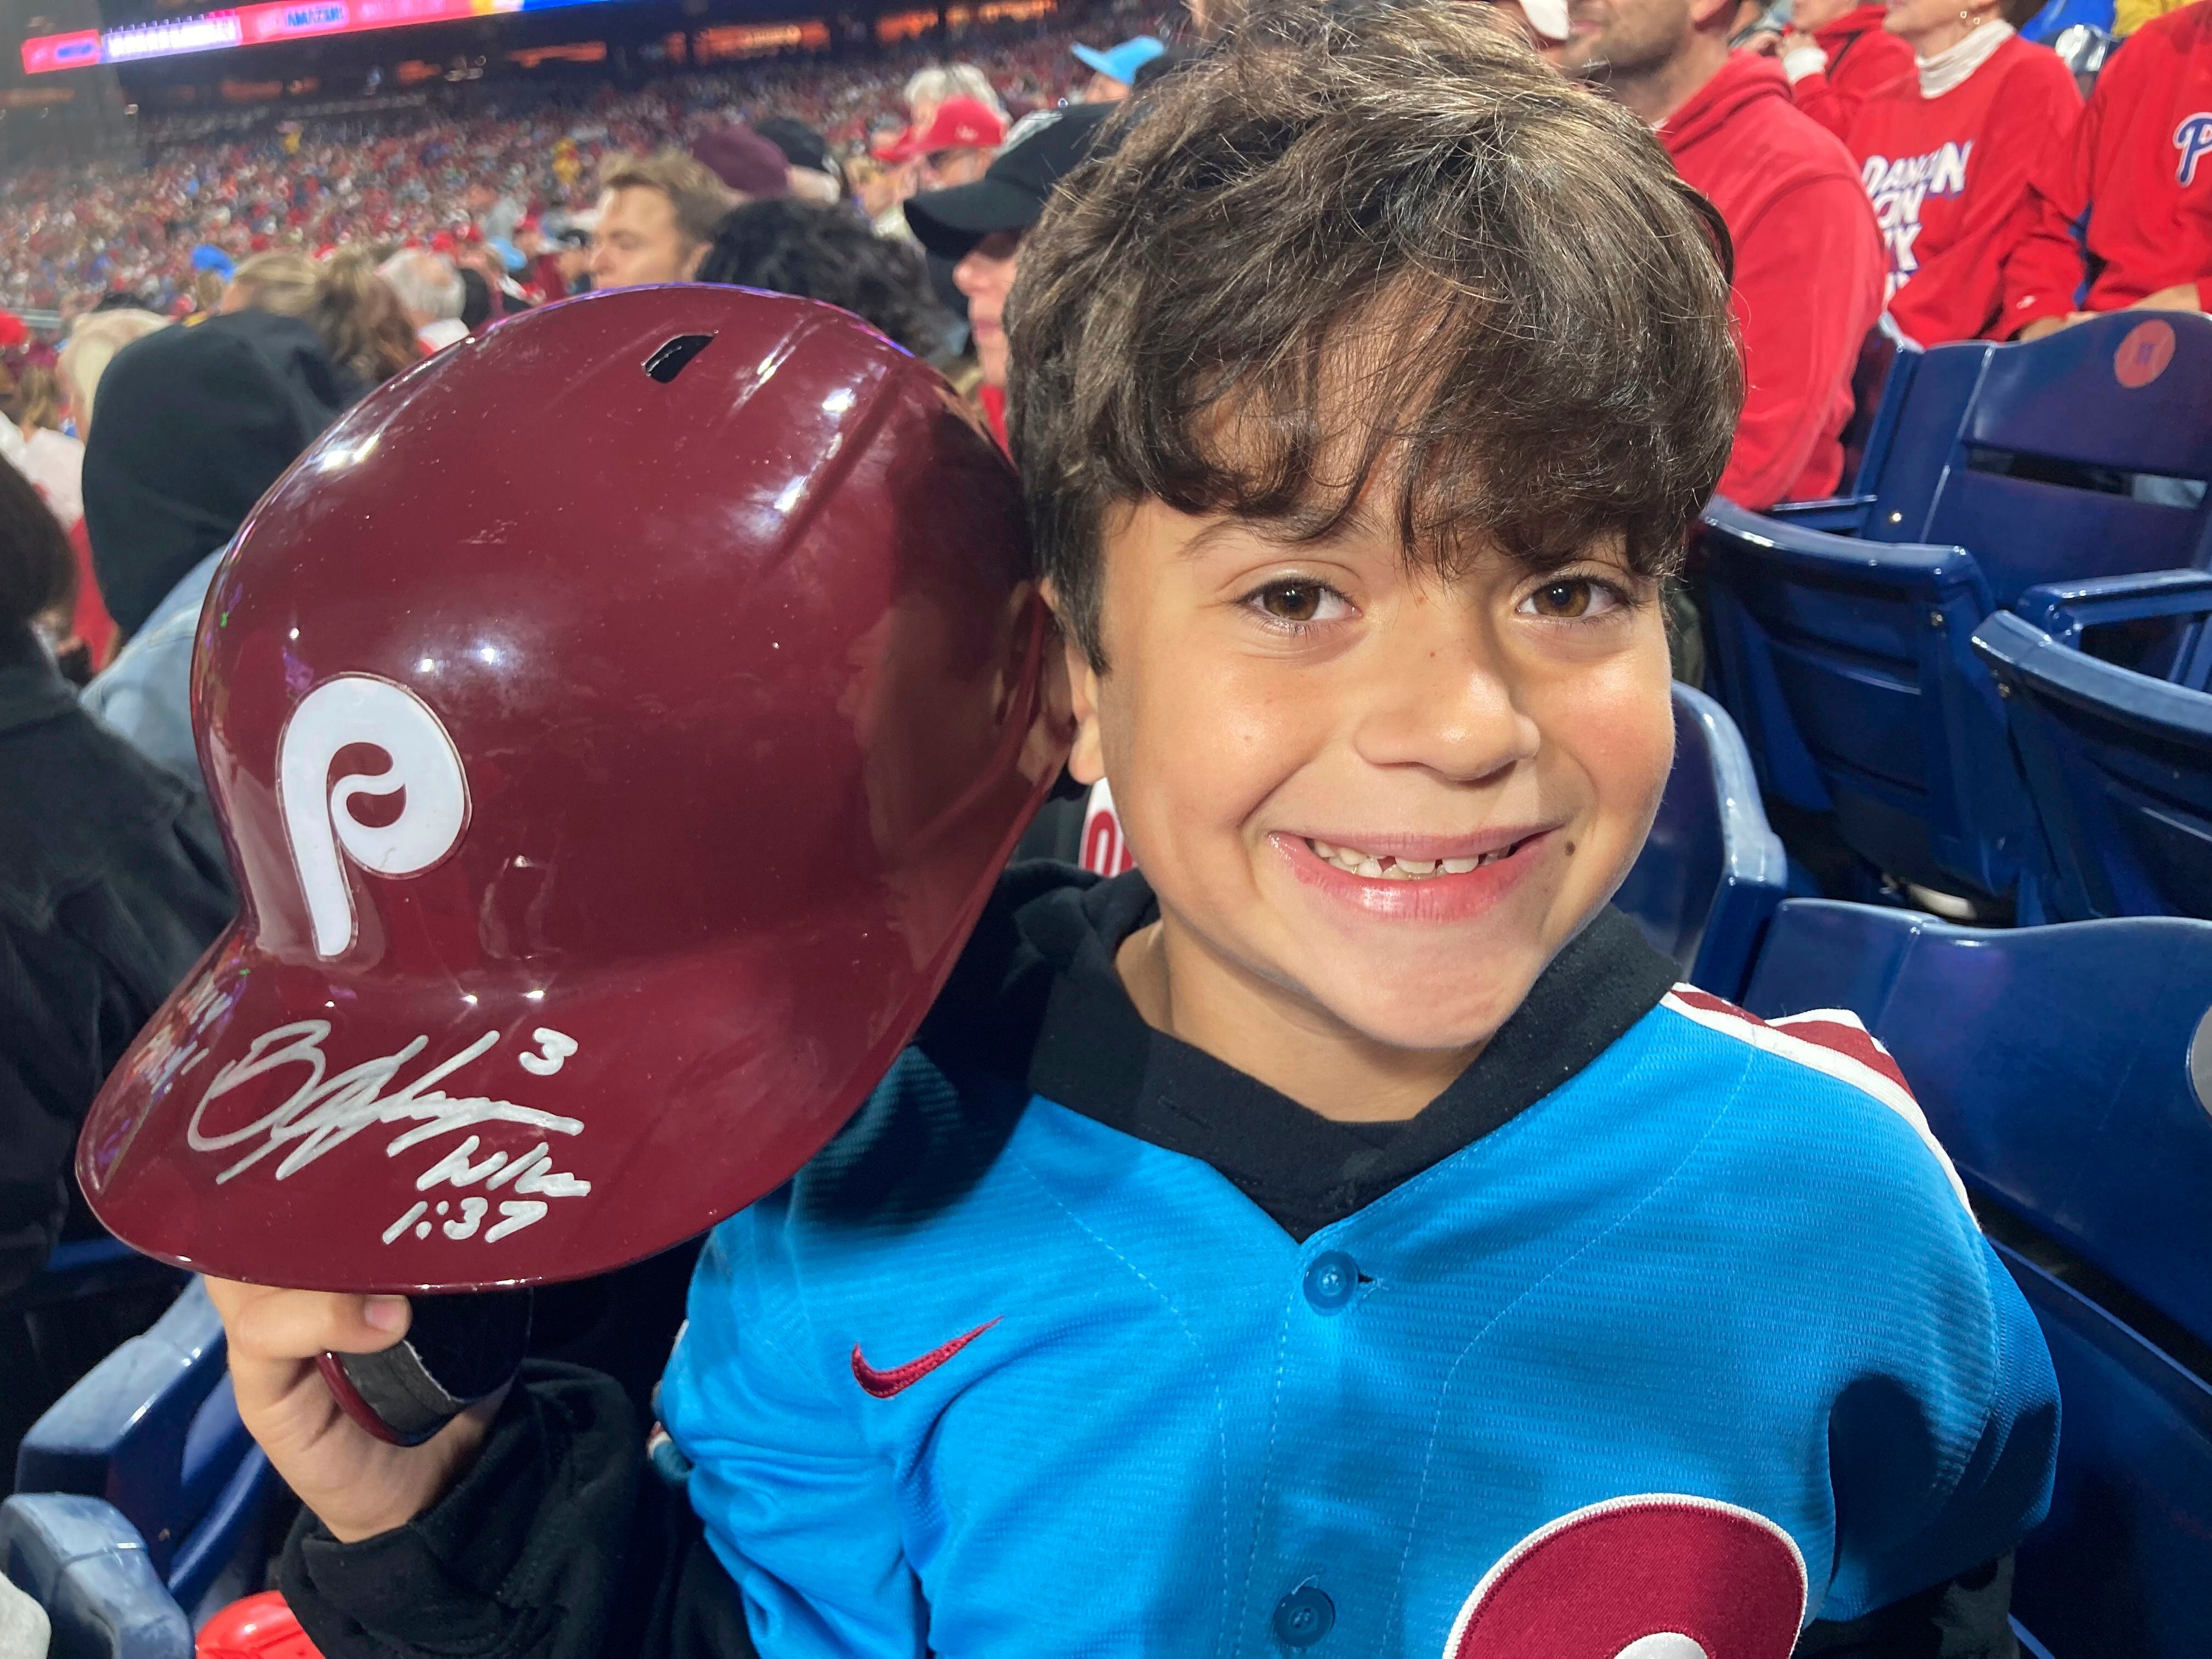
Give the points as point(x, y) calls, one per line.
point(1396, 869)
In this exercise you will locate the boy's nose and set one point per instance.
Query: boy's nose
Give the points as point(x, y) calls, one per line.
point(1447, 709)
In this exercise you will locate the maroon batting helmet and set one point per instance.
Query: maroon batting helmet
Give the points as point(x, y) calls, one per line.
point(616, 723)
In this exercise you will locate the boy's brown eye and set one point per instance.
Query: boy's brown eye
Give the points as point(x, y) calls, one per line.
point(1567, 599)
point(1292, 601)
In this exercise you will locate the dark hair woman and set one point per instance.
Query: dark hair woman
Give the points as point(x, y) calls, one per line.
point(112, 881)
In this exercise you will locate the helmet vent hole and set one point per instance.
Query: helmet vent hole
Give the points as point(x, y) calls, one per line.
point(671, 358)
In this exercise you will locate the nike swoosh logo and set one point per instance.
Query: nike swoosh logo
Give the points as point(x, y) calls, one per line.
point(885, 1384)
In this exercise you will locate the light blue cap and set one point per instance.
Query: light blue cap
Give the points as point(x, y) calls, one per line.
point(1123, 62)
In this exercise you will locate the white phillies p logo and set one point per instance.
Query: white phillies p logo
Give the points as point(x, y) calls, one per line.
point(321, 829)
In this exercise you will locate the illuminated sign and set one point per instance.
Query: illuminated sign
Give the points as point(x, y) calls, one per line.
point(737, 41)
point(257, 25)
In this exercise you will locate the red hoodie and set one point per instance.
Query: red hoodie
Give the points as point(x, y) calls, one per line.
point(2125, 208)
point(1948, 177)
point(1808, 272)
point(1863, 58)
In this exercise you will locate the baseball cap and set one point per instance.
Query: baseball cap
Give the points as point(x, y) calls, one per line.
point(959, 123)
point(747, 163)
point(1041, 150)
point(1122, 61)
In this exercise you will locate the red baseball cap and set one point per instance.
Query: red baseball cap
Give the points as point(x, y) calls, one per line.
point(608, 809)
point(959, 123)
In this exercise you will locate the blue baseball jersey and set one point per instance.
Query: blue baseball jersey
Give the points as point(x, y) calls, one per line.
point(1702, 1345)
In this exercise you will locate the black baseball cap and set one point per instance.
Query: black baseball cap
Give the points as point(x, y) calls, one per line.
point(1043, 148)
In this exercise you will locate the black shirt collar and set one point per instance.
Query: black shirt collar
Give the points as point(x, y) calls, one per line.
point(1095, 1055)
point(31, 688)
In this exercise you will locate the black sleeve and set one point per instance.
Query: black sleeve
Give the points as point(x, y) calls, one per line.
point(53, 1004)
point(559, 1543)
point(1970, 1617)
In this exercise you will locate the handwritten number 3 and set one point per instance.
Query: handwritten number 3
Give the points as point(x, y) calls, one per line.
point(557, 1047)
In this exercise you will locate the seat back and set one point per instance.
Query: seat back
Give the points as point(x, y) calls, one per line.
point(2120, 1563)
point(1881, 382)
point(1711, 871)
point(2068, 1071)
point(86, 1566)
point(91, 1295)
point(153, 1429)
point(1908, 452)
point(2043, 483)
point(2119, 771)
point(1847, 665)
point(2061, 15)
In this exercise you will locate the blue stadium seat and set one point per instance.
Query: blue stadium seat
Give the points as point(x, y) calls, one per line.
point(1712, 871)
point(89, 1569)
point(2068, 1070)
point(2119, 768)
point(153, 1430)
point(1841, 628)
point(2060, 14)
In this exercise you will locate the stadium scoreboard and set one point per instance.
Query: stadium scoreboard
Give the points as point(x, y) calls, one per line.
point(257, 25)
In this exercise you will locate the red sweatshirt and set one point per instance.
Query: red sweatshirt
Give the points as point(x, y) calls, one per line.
point(1948, 177)
point(1863, 58)
point(2125, 208)
point(1809, 268)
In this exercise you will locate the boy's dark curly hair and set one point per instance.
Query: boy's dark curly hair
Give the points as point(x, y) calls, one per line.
point(1374, 244)
point(826, 253)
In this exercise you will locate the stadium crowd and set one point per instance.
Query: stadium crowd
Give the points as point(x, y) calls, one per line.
point(1915, 172)
point(69, 236)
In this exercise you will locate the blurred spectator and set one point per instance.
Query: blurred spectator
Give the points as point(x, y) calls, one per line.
point(957, 144)
point(979, 228)
point(657, 213)
point(1114, 73)
point(1837, 55)
point(1945, 155)
point(825, 253)
point(925, 90)
point(431, 295)
point(1809, 259)
point(753, 168)
point(812, 170)
point(31, 400)
point(2120, 216)
point(284, 283)
point(91, 345)
point(112, 881)
point(2129, 15)
point(564, 268)
point(195, 425)
point(359, 317)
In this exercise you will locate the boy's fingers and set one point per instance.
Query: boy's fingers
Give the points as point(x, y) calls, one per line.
point(296, 1325)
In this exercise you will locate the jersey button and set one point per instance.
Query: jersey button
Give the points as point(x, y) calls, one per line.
point(1330, 1281)
point(1304, 1617)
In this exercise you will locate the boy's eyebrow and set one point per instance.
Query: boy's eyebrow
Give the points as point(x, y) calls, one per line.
point(1354, 521)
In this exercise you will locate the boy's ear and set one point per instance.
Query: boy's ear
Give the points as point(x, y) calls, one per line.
point(1086, 762)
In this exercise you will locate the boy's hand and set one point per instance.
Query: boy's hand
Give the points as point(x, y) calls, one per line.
point(357, 1484)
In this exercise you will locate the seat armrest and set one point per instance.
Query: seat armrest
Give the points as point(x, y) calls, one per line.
point(1821, 553)
point(1839, 515)
point(2063, 609)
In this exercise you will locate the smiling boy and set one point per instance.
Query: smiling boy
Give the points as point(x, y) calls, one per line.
point(1342, 1235)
